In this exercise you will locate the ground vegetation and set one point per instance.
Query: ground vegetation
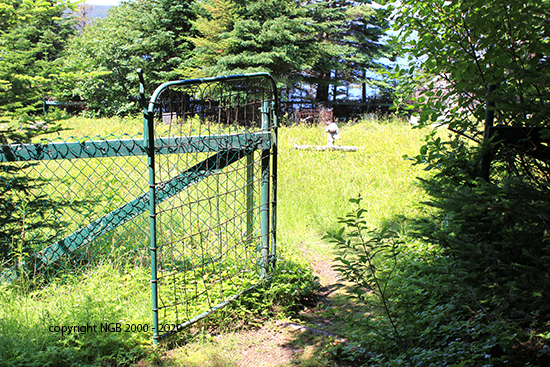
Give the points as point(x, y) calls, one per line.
point(478, 272)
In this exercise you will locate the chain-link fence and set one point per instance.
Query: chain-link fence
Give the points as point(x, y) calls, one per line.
point(63, 206)
point(193, 199)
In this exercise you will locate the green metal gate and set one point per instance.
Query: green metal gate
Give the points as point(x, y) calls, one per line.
point(212, 193)
point(209, 152)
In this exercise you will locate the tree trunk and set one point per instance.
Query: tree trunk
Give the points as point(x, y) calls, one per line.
point(364, 88)
point(322, 89)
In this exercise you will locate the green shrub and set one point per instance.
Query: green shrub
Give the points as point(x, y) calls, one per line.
point(499, 234)
point(423, 307)
point(291, 287)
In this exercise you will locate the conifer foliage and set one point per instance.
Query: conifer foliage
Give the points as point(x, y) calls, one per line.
point(137, 34)
point(265, 35)
point(32, 38)
point(348, 40)
point(321, 43)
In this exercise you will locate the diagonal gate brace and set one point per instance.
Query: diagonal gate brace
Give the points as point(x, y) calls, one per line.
point(139, 205)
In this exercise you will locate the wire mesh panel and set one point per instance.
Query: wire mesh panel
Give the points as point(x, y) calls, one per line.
point(211, 182)
point(71, 205)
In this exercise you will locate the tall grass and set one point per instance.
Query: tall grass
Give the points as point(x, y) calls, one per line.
point(30, 321)
point(313, 190)
point(314, 186)
point(79, 126)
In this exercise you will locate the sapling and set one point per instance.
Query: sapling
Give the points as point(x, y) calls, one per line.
point(368, 258)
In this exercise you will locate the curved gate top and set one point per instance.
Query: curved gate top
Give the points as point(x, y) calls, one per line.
point(212, 156)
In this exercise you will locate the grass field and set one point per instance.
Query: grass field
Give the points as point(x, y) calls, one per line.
point(313, 187)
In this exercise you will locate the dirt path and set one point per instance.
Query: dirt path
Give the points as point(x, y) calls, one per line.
point(299, 342)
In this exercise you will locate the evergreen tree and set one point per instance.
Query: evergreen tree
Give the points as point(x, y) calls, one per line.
point(151, 35)
point(263, 35)
point(32, 40)
point(214, 20)
point(317, 42)
point(348, 41)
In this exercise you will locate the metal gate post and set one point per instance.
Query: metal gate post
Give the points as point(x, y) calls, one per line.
point(249, 192)
point(153, 228)
point(264, 194)
point(274, 153)
point(149, 141)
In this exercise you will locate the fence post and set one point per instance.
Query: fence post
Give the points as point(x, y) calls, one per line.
point(249, 192)
point(274, 154)
point(489, 117)
point(264, 193)
point(149, 140)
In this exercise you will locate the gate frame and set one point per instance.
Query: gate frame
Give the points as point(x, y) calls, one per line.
point(269, 123)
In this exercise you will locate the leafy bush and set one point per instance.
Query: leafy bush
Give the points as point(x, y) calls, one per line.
point(424, 308)
point(500, 235)
point(495, 234)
